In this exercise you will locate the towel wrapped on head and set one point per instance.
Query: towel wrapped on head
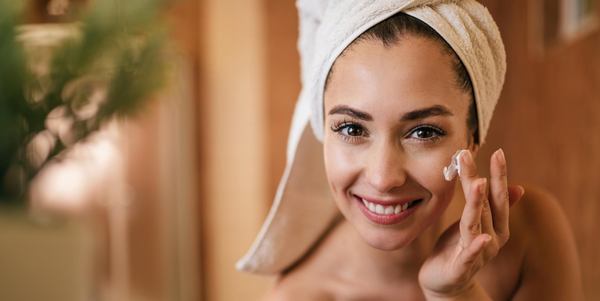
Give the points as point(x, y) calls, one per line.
point(302, 210)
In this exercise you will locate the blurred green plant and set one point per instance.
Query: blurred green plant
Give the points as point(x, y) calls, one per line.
point(107, 69)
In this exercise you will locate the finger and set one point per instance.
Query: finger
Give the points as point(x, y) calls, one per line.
point(470, 255)
point(470, 221)
point(499, 199)
point(487, 227)
point(487, 220)
point(515, 193)
point(467, 170)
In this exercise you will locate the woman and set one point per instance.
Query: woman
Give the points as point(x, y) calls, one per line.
point(396, 103)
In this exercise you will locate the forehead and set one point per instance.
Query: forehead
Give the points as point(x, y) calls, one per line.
point(412, 73)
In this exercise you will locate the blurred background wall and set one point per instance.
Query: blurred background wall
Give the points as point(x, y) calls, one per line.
point(548, 117)
point(232, 126)
point(249, 83)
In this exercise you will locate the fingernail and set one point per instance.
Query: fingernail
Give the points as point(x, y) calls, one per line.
point(501, 157)
point(459, 161)
point(465, 156)
point(486, 237)
point(522, 191)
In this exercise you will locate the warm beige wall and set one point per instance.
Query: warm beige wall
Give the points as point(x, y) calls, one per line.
point(283, 81)
point(153, 216)
point(548, 122)
point(232, 129)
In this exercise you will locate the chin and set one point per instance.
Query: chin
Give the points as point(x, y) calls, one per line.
point(386, 239)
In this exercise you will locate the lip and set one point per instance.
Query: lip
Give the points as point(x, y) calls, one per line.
point(386, 219)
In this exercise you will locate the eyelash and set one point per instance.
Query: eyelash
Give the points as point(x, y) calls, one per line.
point(338, 127)
point(439, 133)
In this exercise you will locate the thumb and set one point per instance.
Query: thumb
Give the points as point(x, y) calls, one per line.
point(471, 253)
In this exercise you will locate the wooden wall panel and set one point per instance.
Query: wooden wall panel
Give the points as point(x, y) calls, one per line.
point(145, 240)
point(232, 123)
point(547, 121)
point(283, 81)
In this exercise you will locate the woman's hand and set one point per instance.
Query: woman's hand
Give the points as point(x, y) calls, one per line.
point(465, 247)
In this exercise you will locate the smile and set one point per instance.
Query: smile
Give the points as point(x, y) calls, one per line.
point(386, 214)
point(387, 210)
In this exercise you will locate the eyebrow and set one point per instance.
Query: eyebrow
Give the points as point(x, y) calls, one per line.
point(436, 110)
point(346, 110)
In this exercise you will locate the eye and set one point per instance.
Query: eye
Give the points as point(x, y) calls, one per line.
point(350, 131)
point(426, 133)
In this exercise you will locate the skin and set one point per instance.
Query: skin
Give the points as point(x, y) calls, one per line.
point(455, 245)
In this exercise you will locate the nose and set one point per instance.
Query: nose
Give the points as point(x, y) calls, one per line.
point(385, 168)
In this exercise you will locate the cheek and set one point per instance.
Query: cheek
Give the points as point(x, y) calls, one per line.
point(340, 165)
point(426, 169)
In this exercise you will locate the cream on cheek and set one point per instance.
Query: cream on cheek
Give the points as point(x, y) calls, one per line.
point(425, 168)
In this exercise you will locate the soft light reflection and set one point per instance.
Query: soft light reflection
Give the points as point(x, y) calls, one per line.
point(60, 124)
point(39, 148)
point(70, 184)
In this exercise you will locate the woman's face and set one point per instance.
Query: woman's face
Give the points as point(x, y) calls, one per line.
point(394, 116)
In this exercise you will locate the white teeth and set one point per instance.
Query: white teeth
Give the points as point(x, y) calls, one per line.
point(385, 210)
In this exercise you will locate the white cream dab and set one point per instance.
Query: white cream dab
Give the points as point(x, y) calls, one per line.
point(453, 169)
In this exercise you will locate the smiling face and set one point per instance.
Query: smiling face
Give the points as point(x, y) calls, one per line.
point(394, 116)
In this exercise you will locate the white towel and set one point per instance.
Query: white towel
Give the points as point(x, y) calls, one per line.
point(303, 210)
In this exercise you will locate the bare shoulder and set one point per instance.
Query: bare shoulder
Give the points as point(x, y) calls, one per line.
point(540, 219)
point(538, 207)
point(294, 287)
point(550, 268)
